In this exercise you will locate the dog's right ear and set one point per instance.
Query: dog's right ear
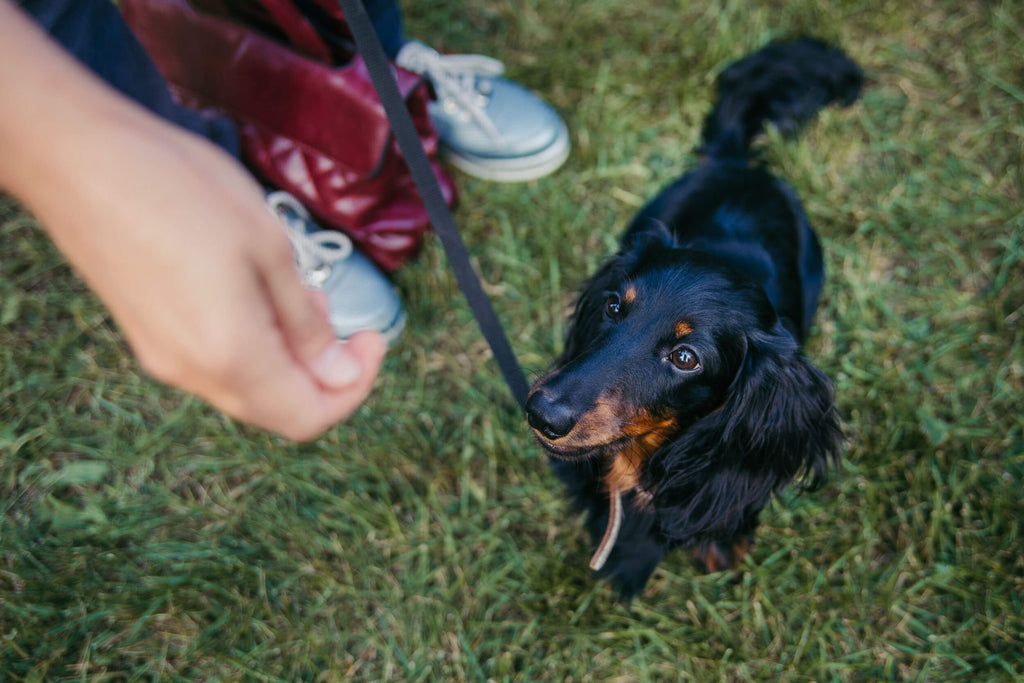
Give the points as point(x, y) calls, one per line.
point(645, 233)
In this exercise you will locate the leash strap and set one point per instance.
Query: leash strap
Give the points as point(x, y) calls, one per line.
point(409, 143)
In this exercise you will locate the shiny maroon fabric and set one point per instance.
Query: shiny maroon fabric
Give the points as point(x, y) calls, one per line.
point(313, 129)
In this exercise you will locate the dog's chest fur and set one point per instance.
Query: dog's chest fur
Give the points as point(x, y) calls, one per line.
point(625, 467)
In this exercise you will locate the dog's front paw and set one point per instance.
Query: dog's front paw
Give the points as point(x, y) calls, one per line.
point(717, 556)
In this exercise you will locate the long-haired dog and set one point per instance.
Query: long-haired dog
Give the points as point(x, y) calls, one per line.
point(682, 402)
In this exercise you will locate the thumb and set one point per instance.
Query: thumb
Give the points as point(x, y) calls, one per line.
point(337, 365)
point(301, 316)
point(303, 320)
point(341, 364)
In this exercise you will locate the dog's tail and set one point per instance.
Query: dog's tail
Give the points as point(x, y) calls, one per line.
point(785, 84)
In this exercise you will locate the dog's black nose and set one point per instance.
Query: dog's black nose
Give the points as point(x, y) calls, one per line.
point(551, 418)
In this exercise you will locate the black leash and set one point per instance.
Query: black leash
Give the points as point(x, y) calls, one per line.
point(423, 175)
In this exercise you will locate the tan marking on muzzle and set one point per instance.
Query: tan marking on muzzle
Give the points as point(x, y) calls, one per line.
point(597, 427)
point(647, 434)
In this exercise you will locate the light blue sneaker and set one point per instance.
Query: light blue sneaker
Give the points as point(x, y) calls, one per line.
point(359, 296)
point(488, 126)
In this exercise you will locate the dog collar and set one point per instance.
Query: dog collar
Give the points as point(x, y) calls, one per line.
point(611, 533)
point(641, 499)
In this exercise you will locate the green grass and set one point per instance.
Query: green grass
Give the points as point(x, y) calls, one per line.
point(146, 537)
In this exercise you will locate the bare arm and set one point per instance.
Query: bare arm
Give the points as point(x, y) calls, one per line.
point(172, 234)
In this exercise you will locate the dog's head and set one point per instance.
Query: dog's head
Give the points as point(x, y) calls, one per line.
point(679, 368)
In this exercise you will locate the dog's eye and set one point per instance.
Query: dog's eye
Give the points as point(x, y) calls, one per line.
point(612, 306)
point(685, 359)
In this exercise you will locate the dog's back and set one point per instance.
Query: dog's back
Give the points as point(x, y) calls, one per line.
point(737, 211)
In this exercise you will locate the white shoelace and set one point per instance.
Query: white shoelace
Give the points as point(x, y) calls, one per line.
point(315, 253)
point(455, 78)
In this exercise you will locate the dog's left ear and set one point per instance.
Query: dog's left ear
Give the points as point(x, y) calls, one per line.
point(781, 411)
point(778, 423)
point(645, 233)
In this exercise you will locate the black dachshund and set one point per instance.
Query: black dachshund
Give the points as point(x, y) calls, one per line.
point(682, 401)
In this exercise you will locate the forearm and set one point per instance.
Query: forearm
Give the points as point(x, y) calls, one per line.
point(55, 115)
point(83, 157)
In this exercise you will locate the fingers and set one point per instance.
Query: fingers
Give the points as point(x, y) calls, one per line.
point(269, 357)
point(367, 349)
point(336, 367)
point(280, 395)
point(301, 315)
point(319, 380)
point(323, 405)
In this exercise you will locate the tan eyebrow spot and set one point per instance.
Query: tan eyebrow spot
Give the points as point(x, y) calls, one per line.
point(683, 328)
point(630, 295)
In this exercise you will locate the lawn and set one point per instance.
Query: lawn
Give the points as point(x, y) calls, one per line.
point(144, 536)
